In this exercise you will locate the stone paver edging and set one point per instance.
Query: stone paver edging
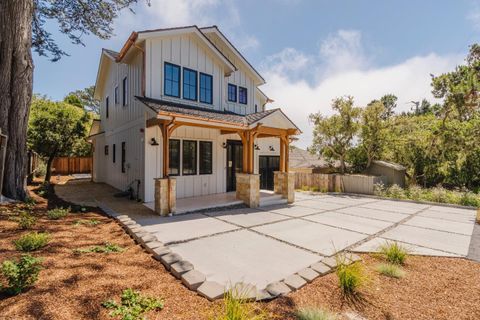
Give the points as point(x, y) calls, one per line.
point(197, 281)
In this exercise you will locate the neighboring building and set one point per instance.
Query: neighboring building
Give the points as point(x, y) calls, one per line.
point(394, 173)
point(304, 161)
point(184, 105)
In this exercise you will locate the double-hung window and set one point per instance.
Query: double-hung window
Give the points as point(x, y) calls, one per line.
point(232, 92)
point(171, 80)
point(189, 158)
point(242, 95)
point(174, 157)
point(124, 91)
point(205, 161)
point(206, 91)
point(189, 84)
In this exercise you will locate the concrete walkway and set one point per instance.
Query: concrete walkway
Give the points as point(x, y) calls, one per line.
point(264, 245)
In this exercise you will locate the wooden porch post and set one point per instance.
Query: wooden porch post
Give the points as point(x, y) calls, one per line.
point(286, 145)
point(166, 149)
point(282, 155)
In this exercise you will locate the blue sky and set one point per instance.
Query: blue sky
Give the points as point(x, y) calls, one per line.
point(308, 51)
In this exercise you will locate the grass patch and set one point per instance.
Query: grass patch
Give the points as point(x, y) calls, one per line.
point(314, 314)
point(20, 274)
point(236, 307)
point(132, 305)
point(32, 241)
point(57, 213)
point(26, 220)
point(91, 222)
point(394, 252)
point(350, 276)
point(391, 270)
point(107, 248)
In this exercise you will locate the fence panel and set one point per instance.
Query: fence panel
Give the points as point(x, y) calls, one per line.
point(70, 165)
point(337, 183)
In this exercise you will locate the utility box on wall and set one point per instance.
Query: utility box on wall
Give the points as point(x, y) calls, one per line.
point(394, 173)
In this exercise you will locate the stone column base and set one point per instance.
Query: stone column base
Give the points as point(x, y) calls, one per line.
point(248, 189)
point(284, 184)
point(165, 196)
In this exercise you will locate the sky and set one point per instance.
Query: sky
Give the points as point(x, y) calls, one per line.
point(308, 51)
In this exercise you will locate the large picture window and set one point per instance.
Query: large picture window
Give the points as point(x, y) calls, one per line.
point(172, 80)
point(205, 157)
point(242, 95)
point(189, 84)
point(232, 92)
point(206, 91)
point(174, 157)
point(189, 158)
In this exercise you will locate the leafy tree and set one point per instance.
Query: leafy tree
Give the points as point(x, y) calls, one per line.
point(23, 27)
point(333, 136)
point(84, 99)
point(390, 103)
point(55, 128)
point(372, 132)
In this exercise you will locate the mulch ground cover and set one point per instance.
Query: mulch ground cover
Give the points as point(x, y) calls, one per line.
point(73, 286)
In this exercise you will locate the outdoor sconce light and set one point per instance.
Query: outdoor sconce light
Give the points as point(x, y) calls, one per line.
point(153, 142)
point(224, 145)
point(271, 148)
point(256, 147)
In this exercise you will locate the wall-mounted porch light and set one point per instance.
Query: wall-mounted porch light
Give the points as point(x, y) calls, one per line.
point(271, 148)
point(256, 147)
point(224, 145)
point(153, 142)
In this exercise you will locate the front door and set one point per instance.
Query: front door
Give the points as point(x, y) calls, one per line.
point(266, 167)
point(234, 162)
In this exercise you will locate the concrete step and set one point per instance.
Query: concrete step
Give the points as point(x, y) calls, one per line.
point(272, 200)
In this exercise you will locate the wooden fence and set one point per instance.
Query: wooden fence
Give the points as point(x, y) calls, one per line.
point(68, 165)
point(337, 183)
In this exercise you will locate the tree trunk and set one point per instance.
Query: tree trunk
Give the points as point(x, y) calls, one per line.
point(342, 165)
point(48, 173)
point(16, 73)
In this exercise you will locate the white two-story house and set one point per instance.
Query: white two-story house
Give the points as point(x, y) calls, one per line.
point(183, 104)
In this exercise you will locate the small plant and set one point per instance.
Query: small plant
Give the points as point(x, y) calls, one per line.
point(391, 270)
point(91, 222)
point(32, 241)
point(305, 188)
point(396, 192)
point(107, 248)
point(350, 276)
point(394, 252)
point(20, 274)
point(57, 213)
point(314, 314)
point(26, 220)
point(236, 307)
point(132, 305)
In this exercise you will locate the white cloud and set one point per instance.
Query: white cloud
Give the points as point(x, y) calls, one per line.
point(299, 96)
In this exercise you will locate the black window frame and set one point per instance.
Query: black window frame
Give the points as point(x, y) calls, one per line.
point(239, 95)
point(105, 149)
point(113, 153)
point(124, 91)
point(201, 161)
point(107, 107)
point(165, 65)
point(232, 86)
point(210, 97)
point(195, 169)
point(170, 162)
point(188, 70)
point(115, 98)
point(123, 156)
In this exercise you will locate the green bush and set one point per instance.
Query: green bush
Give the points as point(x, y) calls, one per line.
point(314, 314)
point(26, 220)
point(41, 170)
point(20, 274)
point(391, 270)
point(394, 252)
point(107, 248)
point(91, 222)
point(350, 276)
point(132, 305)
point(57, 213)
point(32, 241)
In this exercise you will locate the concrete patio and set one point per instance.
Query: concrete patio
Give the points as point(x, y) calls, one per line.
point(265, 245)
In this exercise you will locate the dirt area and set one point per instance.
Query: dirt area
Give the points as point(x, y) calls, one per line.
point(73, 286)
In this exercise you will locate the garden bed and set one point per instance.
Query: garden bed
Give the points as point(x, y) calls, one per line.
point(73, 285)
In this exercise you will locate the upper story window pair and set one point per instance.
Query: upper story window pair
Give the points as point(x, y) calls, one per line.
point(232, 94)
point(116, 98)
point(172, 80)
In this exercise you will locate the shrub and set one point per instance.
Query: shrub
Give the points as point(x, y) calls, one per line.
point(107, 248)
point(315, 189)
point(396, 192)
point(57, 213)
point(20, 274)
point(469, 198)
point(390, 270)
point(32, 241)
point(379, 190)
point(235, 307)
point(394, 252)
point(305, 188)
point(132, 305)
point(414, 192)
point(41, 170)
point(314, 314)
point(350, 276)
point(26, 220)
point(91, 222)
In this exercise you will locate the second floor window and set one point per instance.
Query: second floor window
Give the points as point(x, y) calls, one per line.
point(124, 91)
point(189, 84)
point(116, 95)
point(172, 80)
point(232, 92)
point(107, 106)
point(242, 95)
point(206, 91)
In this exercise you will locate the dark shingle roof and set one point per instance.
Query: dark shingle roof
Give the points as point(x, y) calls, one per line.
point(203, 113)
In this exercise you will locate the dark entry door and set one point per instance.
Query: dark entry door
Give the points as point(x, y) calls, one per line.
point(266, 166)
point(234, 162)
